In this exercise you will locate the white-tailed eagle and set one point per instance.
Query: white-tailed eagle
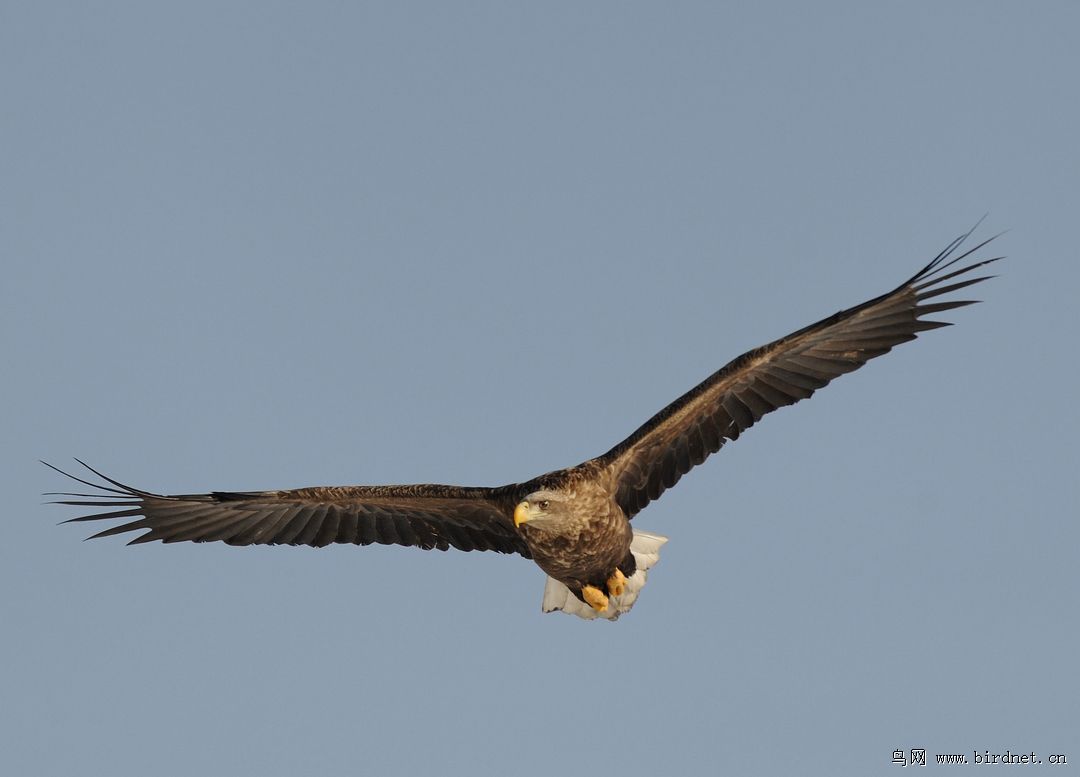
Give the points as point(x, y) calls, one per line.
point(574, 523)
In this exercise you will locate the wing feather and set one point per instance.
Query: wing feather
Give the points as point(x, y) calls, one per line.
point(733, 399)
point(424, 516)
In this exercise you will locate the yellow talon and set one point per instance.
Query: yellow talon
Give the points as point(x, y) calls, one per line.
point(594, 597)
point(616, 584)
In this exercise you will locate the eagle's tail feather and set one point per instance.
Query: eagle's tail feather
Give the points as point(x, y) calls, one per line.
point(646, 549)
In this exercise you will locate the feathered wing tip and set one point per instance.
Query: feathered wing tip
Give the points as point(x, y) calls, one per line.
point(118, 494)
point(646, 549)
point(930, 275)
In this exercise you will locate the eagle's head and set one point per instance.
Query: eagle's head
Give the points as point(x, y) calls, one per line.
point(542, 509)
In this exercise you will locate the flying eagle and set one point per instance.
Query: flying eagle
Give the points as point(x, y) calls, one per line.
point(574, 523)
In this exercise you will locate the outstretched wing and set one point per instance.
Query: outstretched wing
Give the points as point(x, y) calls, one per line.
point(423, 516)
point(733, 399)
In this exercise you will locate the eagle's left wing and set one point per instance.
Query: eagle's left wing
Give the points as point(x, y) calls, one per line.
point(733, 399)
point(423, 516)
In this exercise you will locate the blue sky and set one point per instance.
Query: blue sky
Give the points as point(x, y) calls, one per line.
point(272, 245)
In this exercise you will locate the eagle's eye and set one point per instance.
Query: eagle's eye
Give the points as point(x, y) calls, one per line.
point(543, 504)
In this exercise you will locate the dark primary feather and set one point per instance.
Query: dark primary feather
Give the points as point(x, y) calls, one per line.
point(424, 516)
point(730, 401)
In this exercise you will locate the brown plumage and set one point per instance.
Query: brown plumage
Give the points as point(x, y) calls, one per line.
point(574, 522)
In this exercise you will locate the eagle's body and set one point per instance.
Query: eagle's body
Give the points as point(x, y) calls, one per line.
point(588, 535)
point(574, 523)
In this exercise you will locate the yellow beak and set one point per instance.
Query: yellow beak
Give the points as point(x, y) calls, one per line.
point(521, 513)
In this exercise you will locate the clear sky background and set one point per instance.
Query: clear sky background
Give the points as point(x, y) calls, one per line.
point(271, 245)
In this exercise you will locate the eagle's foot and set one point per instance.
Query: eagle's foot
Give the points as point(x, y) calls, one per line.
point(616, 584)
point(594, 597)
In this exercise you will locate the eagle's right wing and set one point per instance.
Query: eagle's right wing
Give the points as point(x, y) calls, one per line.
point(424, 516)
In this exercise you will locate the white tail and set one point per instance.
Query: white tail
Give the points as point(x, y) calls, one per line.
point(646, 550)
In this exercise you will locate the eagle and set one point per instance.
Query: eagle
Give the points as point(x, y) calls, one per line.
point(573, 523)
